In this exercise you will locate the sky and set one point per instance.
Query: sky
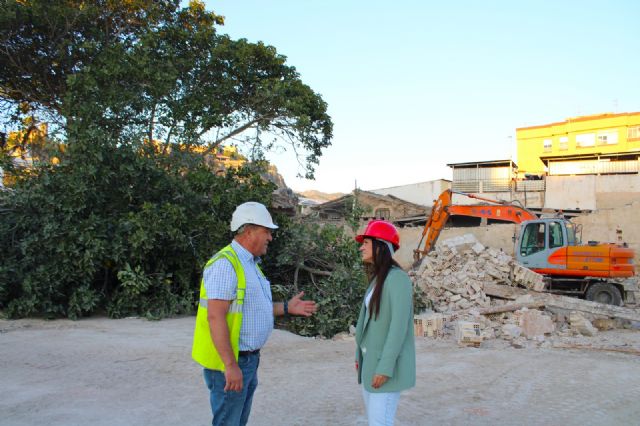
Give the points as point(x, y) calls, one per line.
point(412, 86)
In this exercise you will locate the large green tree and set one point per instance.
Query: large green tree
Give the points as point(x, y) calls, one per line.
point(124, 226)
point(151, 69)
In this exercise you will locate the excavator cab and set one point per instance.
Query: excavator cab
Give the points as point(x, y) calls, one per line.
point(542, 237)
point(550, 234)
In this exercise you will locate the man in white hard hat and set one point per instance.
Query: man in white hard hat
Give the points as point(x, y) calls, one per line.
point(235, 315)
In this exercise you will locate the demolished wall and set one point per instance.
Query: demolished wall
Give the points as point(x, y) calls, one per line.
point(457, 278)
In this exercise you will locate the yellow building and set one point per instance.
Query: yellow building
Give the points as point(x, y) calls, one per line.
point(594, 144)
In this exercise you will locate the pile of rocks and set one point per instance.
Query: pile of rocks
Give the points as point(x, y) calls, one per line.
point(453, 278)
point(453, 275)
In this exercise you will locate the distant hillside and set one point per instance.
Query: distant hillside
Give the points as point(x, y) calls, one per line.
point(320, 196)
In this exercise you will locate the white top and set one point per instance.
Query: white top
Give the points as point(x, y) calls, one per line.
point(367, 297)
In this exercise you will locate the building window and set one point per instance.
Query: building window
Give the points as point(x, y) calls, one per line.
point(564, 143)
point(547, 145)
point(633, 133)
point(585, 140)
point(607, 138)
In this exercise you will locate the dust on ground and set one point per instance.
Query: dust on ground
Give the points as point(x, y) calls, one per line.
point(132, 371)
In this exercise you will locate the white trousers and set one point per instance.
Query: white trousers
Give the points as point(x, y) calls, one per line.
point(380, 407)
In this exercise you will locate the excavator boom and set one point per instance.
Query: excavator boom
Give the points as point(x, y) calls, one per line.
point(443, 208)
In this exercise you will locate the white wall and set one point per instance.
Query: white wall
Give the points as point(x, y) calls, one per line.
point(531, 199)
point(571, 192)
point(617, 190)
point(422, 193)
point(591, 192)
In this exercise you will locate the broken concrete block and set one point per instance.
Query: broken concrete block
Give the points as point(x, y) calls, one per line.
point(534, 323)
point(525, 298)
point(527, 278)
point(492, 252)
point(518, 344)
point(581, 325)
point(429, 325)
point(463, 304)
point(468, 333)
point(604, 324)
point(510, 331)
point(477, 248)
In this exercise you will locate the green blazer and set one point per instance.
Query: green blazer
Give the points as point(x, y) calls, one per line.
point(385, 345)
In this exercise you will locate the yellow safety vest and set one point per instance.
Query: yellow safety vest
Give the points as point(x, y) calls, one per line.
point(203, 351)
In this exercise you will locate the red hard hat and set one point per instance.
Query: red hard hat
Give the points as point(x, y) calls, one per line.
point(382, 230)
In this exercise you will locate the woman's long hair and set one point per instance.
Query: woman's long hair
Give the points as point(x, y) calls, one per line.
point(382, 263)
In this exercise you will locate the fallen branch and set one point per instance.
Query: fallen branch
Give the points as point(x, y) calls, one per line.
point(315, 271)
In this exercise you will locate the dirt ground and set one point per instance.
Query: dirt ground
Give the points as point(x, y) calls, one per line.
point(136, 372)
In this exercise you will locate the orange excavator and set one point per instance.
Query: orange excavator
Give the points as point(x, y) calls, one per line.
point(549, 246)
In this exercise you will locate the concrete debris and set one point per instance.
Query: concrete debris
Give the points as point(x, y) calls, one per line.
point(511, 331)
point(581, 325)
point(525, 298)
point(518, 344)
point(479, 293)
point(454, 274)
point(534, 323)
point(468, 333)
point(527, 278)
point(604, 324)
point(429, 325)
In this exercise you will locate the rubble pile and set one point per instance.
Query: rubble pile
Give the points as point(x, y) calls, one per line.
point(453, 279)
point(453, 275)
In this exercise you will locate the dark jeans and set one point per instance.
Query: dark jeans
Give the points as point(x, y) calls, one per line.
point(233, 408)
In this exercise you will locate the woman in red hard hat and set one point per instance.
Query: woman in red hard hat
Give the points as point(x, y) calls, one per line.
point(385, 348)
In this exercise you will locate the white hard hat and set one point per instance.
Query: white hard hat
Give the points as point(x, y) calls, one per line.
point(253, 213)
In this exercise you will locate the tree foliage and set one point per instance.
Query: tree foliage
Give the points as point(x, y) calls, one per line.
point(148, 68)
point(114, 229)
point(324, 262)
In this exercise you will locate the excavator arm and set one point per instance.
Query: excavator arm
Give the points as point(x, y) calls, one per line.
point(443, 208)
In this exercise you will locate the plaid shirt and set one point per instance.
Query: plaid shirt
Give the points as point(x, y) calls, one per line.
point(257, 313)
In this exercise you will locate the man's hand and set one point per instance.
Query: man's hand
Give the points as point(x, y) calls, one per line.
point(378, 380)
point(233, 378)
point(297, 306)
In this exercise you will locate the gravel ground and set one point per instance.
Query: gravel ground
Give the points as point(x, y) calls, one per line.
point(136, 372)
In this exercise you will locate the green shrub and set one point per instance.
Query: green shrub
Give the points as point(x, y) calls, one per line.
point(70, 233)
point(324, 262)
